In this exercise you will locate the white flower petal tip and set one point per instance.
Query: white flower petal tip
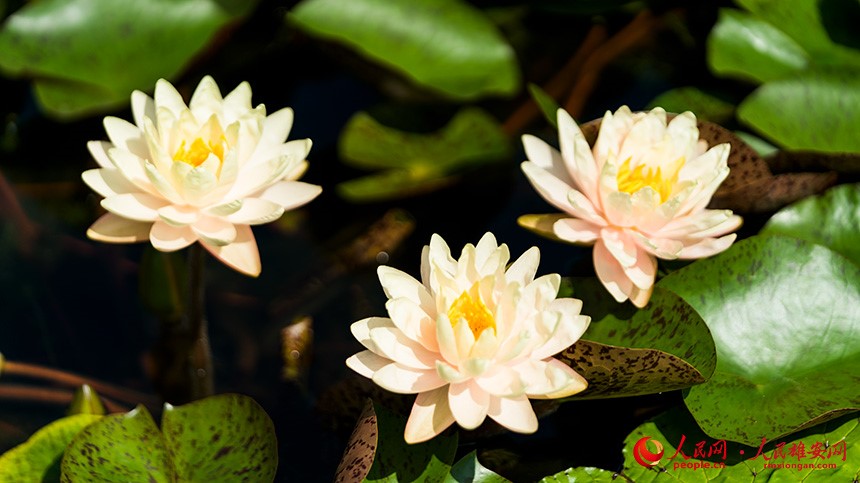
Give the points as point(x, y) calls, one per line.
point(639, 194)
point(473, 338)
point(203, 171)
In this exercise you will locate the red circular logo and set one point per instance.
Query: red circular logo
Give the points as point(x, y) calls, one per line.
point(645, 457)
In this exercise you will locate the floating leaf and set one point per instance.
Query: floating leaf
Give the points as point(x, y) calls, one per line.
point(811, 111)
point(358, 456)
point(663, 347)
point(783, 315)
point(446, 45)
point(119, 447)
point(87, 56)
point(417, 162)
point(38, 458)
point(227, 437)
point(759, 145)
point(704, 105)
point(832, 220)
point(470, 470)
point(848, 163)
point(548, 106)
point(86, 401)
point(742, 45)
point(770, 194)
point(582, 475)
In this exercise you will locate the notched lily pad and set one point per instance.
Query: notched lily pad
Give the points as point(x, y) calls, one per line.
point(38, 458)
point(415, 163)
point(625, 352)
point(788, 350)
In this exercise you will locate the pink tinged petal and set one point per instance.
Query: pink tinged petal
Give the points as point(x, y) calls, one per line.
point(366, 363)
point(644, 135)
point(291, 194)
point(550, 188)
point(167, 96)
point(464, 339)
point(168, 238)
point(514, 413)
point(574, 230)
point(99, 151)
point(650, 215)
point(639, 297)
point(402, 379)
point(569, 329)
point(584, 208)
point(705, 223)
point(523, 270)
point(241, 255)
point(361, 331)
point(160, 183)
point(546, 157)
point(255, 211)
point(111, 228)
point(501, 381)
point(134, 206)
point(613, 129)
point(413, 322)
point(684, 135)
point(393, 344)
point(577, 155)
point(179, 215)
point(642, 272)
point(618, 207)
point(485, 347)
point(557, 380)
point(706, 165)
point(215, 231)
point(665, 248)
point(610, 273)
point(296, 172)
point(620, 245)
point(142, 106)
point(469, 404)
point(430, 416)
point(108, 182)
point(440, 254)
point(475, 367)
point(126, 136)
point(449, 373)
point(707, 247)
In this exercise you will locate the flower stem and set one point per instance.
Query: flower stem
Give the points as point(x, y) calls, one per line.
point(200, 353)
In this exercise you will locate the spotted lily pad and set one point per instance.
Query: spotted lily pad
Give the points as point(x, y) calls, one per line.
point(470, 470)
point(414, 163)
point(446, 45)
point(38, 458)
point(832, 220)
point(626, 352)
point(86, 56)
point(783, 315)
point(222, 438)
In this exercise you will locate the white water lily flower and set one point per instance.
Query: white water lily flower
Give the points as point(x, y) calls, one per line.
point(638, 195)
point(204, 172)
point(473, 340)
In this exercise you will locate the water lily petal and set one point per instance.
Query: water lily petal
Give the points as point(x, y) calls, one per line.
point(111, 228)
point(550, 379)
point(206, 99)
point(575, 230)
point(610, 272)
point(168, 97)
point(134, 206)
point(256, 211)
point(291, 194)
point(469, 404)
point(108, 182)
point(514, 413)
point(179, 215)
point(523, 270)
point(242, 254)
point(501, 381)
point(430, 416)
point(393, 344)
point(99, 151)
point(366, 363)
point(546, 157)
point(579, 161)
point(169, 238)
point(569, 329)
point(126, 136)
point(237, 102)
point(398, 284)
point(215, 231)
point(402, 379)
point(707, 247)
point(142, 106)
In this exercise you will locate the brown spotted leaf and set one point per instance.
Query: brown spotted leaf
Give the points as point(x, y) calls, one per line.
point(787, 161)
point(626, 352)
point(358, 456)
point(771, 194)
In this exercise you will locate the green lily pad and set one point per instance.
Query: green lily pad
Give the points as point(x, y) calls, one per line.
point(470, 470)
point(445, 45)
point(832, 220)
point(417, 162)
point(626, 352)
point(810, 111)
point(222, 438)
point(38, 458)
point(86, 401)
point(582, 475)
point(119, 447)
point(86, 56)
point(783, 315)
point(704, 105)
point(744, 46)
point(225, 438)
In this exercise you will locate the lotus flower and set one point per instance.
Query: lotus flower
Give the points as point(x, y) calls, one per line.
point(472, 339)
point(638, 195)
point(204, 172)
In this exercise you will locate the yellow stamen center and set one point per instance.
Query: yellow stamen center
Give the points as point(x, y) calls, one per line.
point(470, 307)
point(199, 151)
point(662, 179)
